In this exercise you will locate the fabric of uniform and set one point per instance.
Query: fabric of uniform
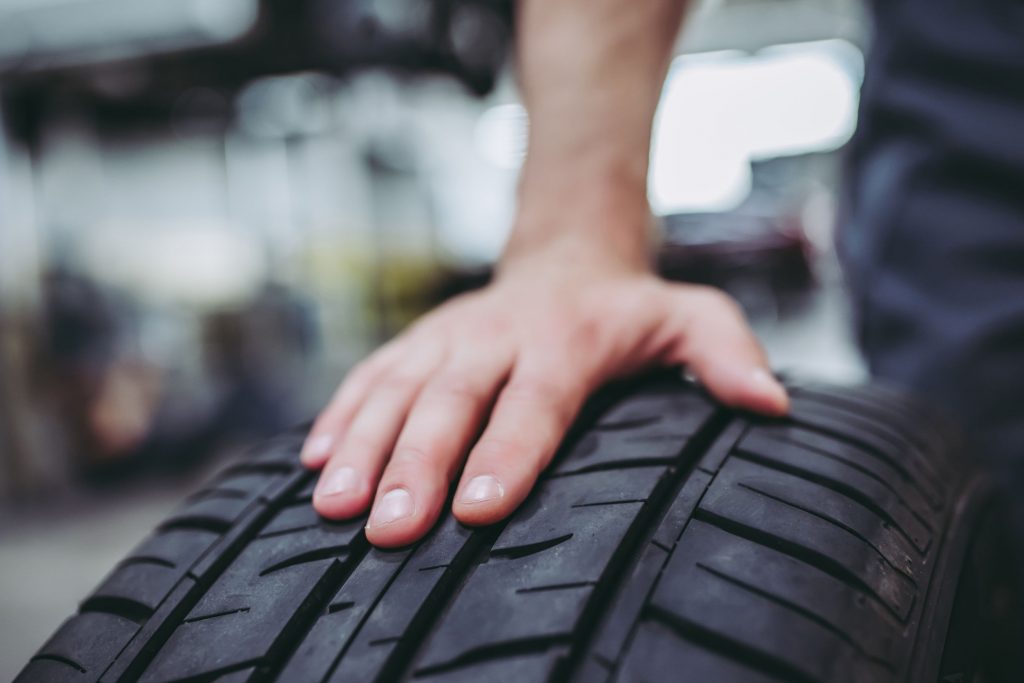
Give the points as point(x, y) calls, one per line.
point(933, 236)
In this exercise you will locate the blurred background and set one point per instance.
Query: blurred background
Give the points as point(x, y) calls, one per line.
point(210, 209)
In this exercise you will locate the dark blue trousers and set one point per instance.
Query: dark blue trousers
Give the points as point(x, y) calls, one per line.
point(933, 233)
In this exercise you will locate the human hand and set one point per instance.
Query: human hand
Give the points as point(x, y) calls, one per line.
point(501, 373)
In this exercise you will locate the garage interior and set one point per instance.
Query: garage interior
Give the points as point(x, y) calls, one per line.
point(191, 258)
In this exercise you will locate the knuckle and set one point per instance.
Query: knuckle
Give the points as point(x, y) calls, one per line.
point(716, 302)
point(399, 382)
point(528, 390)
point(360, 443)
point(499, 448)
point(550, 399)
point(458, 386)
point(412, 464)
point(488, 327)
point(413, 454)
point(526, 457)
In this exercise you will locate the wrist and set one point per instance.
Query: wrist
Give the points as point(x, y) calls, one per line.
point(607, 246)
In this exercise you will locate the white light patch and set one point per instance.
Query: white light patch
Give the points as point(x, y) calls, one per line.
point(720, 111)
point(500, 135)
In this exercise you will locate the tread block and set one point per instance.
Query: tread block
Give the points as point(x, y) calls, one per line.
point(306, 492)
point(881, 427)
point(911, 460)
point(883, 466)
point(151, 632)
point(679, 512)
point(89, 641)
point(53, 670)
point(333, 632)
point(827, 505)
point(214, 514)
point(515, 667)
point(145, 583)
point(281, 450)
point(647, 427)
point(657, 649)
point(406, 599)
point(242, 614)
point(249, 484)
point(628, 605)
point(291, 519)
point(895, 414)
point(691, 599)
point(176, 547)
point(501, 602)
point(907, 513)
point(240, 676)
point(295, 532)
point(814, 541)
point(809, 592)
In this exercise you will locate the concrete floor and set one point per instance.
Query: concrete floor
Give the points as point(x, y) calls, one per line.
point(51, 558)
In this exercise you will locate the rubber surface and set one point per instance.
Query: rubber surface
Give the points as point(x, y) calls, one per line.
point(670, 539)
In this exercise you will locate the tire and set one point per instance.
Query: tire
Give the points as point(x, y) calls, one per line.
point(671, 539)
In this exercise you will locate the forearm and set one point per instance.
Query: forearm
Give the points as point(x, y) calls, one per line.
point(591, 74)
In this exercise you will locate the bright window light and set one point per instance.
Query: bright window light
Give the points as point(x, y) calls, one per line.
point(722, 110)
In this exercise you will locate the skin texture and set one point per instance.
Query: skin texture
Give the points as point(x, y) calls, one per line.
point(488, 383)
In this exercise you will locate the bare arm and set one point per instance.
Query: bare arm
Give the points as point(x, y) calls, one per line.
point(591, 72)
point(492, 380)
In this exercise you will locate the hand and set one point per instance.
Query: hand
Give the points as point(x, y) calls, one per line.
point(516, 360)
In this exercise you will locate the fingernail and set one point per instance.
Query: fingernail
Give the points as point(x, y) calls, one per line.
point(481, 489)
point(394, 505)
point(341, 480)
point(766, 383)
point(317, 447)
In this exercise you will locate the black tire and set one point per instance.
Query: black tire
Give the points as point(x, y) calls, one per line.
point(671, 539)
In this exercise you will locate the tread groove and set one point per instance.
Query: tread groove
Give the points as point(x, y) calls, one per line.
point(802, 611)
point(885, 459)
point(509, 648)
point(146, 559)
point(200, 523)
point(556, 587)
point(215, 615)
point(126, 608)
point(830, 520)
point(335, 551)
point(363, 619)
point(340, 606)
point(225, 493)
point(516, 552)
point(726, 647)
point(848, 492)
point(401, 663)
point(878, 453)
point(798, 552)
point(61, 660)
point(743, 453)
point(260, 468)
point(285, 532)
point(640, 531)
point(634, 463)
point(623, 425)
point(314, 606)
point(603, 503)
point(246, 531)
point(213, 676)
